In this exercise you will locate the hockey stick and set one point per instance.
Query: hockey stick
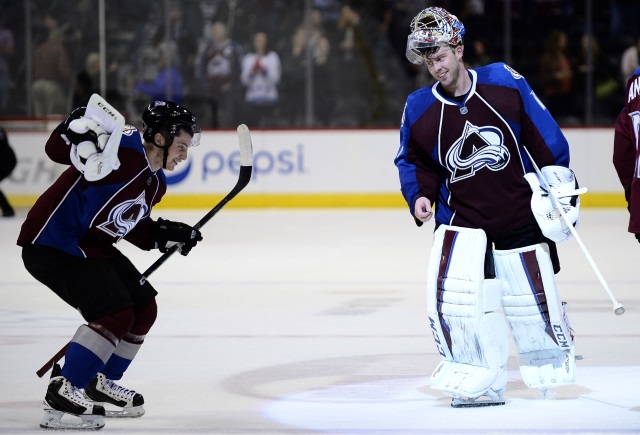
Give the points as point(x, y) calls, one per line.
point(617, 306)
point(246, 167)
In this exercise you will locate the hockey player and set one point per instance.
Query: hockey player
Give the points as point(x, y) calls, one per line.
point(107, 193)
point(626, 156)
point(464, 158)
point(8, 162)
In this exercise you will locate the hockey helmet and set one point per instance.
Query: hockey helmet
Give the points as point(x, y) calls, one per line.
point(168, 117)
point(432, 27)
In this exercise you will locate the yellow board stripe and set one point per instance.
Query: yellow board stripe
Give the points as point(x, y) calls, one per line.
point(316, 200)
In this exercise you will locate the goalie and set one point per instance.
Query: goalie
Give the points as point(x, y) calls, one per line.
point(462, 148)
point(114, 179)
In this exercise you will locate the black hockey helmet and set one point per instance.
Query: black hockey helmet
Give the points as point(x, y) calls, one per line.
point(168, 118)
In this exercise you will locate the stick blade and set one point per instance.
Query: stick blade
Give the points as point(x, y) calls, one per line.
point(246, 147)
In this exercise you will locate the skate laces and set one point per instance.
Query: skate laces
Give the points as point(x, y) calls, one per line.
point(117, 390)
point(75, 394)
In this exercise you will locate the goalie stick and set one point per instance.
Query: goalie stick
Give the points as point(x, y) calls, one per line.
point(246, 168)
point(618, 309)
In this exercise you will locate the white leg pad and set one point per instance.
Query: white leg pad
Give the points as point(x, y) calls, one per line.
point(471, 338)
point(536, 316)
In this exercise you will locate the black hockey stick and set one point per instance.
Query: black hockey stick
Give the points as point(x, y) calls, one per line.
point(246, 167)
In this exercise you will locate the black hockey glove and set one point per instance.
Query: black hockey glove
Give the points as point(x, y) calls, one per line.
point(167, 233)
point(638, 237)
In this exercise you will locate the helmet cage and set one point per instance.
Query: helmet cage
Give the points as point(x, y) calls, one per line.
point(433, 27)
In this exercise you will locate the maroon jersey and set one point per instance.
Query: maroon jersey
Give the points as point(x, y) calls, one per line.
point(625, 150)
point(86, 218)
point(468, 156)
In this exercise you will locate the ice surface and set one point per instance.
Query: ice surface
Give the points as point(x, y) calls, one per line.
point(313, 322)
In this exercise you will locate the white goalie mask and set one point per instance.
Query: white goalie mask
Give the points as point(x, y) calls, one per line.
point(432, 27)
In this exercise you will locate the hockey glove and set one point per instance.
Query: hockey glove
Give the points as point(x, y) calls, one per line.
point(76, 113)
point(544, 204)
point(638, 237)
point(167, 233)
point(87, 138)
point(94, 133)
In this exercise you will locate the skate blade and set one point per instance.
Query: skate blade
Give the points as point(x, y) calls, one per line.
point(112, 411)
point(59, 420)
point(472, 404)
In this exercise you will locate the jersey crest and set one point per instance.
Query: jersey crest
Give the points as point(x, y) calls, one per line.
point(477, 148)
point(124, 216)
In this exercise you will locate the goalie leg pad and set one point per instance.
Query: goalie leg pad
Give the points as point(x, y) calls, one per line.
point(536, 316)
point(471, 338)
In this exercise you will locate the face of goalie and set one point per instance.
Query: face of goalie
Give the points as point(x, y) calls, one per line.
point(445, 65)
point(177, 151)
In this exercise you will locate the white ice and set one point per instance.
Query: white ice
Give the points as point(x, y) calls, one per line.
point(313, 322)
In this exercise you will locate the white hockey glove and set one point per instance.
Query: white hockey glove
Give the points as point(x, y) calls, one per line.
point(544, 204)
point(95, 138)
point(86, 138)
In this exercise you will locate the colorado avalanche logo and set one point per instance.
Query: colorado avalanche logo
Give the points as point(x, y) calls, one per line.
point(125, 216)
point(477, 148)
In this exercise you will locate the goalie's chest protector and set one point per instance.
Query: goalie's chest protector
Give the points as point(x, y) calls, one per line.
point(476, 145)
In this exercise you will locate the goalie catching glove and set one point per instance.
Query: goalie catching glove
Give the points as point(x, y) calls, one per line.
point(94, 133)
point(168, 233)
point(564, 193)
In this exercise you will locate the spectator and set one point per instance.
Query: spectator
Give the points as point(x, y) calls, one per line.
point(87, 80)
point(557, 75)
point(8, 163)
point(479, 54)
point(353, 64)
point(292, 95)
point(51, 73)
point(168, 84)
point(323, 89)
point(219, 69)
point(6, 51)
point(629, 61)
point(260, 74)
point(604, 86)
point(182, 32)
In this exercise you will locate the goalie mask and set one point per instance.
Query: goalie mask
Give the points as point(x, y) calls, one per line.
point(433, 27)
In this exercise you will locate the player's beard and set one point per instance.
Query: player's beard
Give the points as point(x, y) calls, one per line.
point(451, 77)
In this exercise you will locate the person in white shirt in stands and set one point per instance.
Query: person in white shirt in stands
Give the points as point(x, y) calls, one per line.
point(260, 74)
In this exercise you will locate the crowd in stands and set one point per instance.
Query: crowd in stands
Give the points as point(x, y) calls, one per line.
point(233, 61)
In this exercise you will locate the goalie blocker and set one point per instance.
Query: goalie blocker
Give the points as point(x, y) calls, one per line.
point(471, 336)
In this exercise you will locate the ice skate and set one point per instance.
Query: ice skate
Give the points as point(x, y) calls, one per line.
point(489, 398)
point(65, 408)
point(118, 401)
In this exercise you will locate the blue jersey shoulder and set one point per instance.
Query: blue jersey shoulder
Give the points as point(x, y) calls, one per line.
point(500, 74)
point(417, 103)
point(131, 139)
